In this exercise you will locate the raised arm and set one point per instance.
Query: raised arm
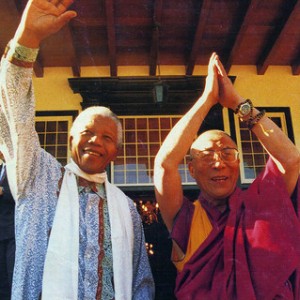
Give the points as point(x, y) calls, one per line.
point(18, 139)
point(167, 180)
point(275, 142)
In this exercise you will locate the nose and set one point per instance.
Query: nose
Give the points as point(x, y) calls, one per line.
point(95, 140)
point(217, 161)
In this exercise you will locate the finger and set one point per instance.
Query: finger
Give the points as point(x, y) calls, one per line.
point(211, 64)
point(66, 17)
point(66, 3)
point(54, 2)
point(62, 5)
point(221, 69)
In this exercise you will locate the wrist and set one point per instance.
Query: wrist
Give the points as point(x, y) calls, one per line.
point(20, 55)
point(244, 110)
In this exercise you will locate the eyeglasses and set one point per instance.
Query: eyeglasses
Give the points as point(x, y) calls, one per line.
point(228, 155)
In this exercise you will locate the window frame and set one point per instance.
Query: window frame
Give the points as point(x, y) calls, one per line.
point(56, 116)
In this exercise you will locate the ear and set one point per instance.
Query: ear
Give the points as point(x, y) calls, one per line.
point(191, 169)
point(70, 142)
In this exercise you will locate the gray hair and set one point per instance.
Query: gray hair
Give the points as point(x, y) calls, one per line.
point(97, 111)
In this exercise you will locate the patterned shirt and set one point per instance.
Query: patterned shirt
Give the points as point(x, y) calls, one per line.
point(34, 176)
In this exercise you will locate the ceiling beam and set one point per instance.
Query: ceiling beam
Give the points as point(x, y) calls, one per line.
point(38, 67)
point(198, 36)
point(74, 52)
point(154, 51)
point(249, 15)
point(111, 36)
point(290, 22)
point(296, 69)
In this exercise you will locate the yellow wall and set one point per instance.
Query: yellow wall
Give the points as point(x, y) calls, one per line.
point(278, 87)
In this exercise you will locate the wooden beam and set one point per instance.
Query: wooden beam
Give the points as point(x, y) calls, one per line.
point(249, 15)
point(75, 57)
point(111, 36)
point(198, 36)
point(38, 67)
point(154, 51)
point(296, 69)
point(291, 20)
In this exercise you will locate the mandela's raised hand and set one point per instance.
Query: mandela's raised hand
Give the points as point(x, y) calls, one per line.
point(42, 18)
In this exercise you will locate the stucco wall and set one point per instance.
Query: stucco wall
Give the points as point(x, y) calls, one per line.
point(278, 87)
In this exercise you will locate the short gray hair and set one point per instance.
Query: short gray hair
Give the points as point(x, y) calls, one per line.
point(97, 111)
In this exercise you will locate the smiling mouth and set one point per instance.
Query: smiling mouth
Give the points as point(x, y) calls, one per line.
point(90, 152)
point(219, 178)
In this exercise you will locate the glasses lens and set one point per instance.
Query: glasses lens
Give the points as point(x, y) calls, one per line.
point(206, 155)
point(229, 154)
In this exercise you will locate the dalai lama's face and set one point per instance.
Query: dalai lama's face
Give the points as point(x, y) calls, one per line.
point(215, 172)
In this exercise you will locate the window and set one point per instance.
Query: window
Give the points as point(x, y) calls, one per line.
point(142, 138)
point(252, 155)
point(53, 132)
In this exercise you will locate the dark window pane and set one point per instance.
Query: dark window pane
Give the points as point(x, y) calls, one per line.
point(51, 139)
point(142, 149)
point(62, 126)
point(129, 124)
point(154, 136)
point(246, 146)
point(153, 124)
point(41, 139)
point(130, 150)
point(257, 147)
point(248, 160)
point(245, 135)
point(142, 123)
point(51, 126)
point(62, 138)
point(62, 151)
point(50, 149)
point(129, 137)
point(142, 136)
point(40, 126)
point(165, 123)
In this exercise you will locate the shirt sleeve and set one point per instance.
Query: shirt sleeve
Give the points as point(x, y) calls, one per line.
point(18, 138)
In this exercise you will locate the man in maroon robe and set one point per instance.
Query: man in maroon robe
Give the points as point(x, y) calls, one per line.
point(247, 243)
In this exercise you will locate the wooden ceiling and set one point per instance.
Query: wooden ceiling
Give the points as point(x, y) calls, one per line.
point(168, 32)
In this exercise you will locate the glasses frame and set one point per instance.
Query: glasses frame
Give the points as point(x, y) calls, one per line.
point(196, 154)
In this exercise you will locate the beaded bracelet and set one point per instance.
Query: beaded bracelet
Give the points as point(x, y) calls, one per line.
point(251, 123)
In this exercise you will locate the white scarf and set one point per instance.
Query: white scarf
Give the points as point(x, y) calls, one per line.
point(60, 278)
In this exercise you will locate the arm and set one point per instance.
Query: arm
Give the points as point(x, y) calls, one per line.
point(18, 139)
point(167, 181)
point(275, 142)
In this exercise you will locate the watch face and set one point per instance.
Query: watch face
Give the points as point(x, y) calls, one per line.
point(244, 109)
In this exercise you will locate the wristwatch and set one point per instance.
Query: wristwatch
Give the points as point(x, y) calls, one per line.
point(244, 109)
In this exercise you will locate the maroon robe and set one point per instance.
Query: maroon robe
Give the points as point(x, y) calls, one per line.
point(253, 251)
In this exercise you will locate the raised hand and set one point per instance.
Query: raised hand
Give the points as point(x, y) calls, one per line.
point(42, 18)
point(211, 91)
point(228, 96)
